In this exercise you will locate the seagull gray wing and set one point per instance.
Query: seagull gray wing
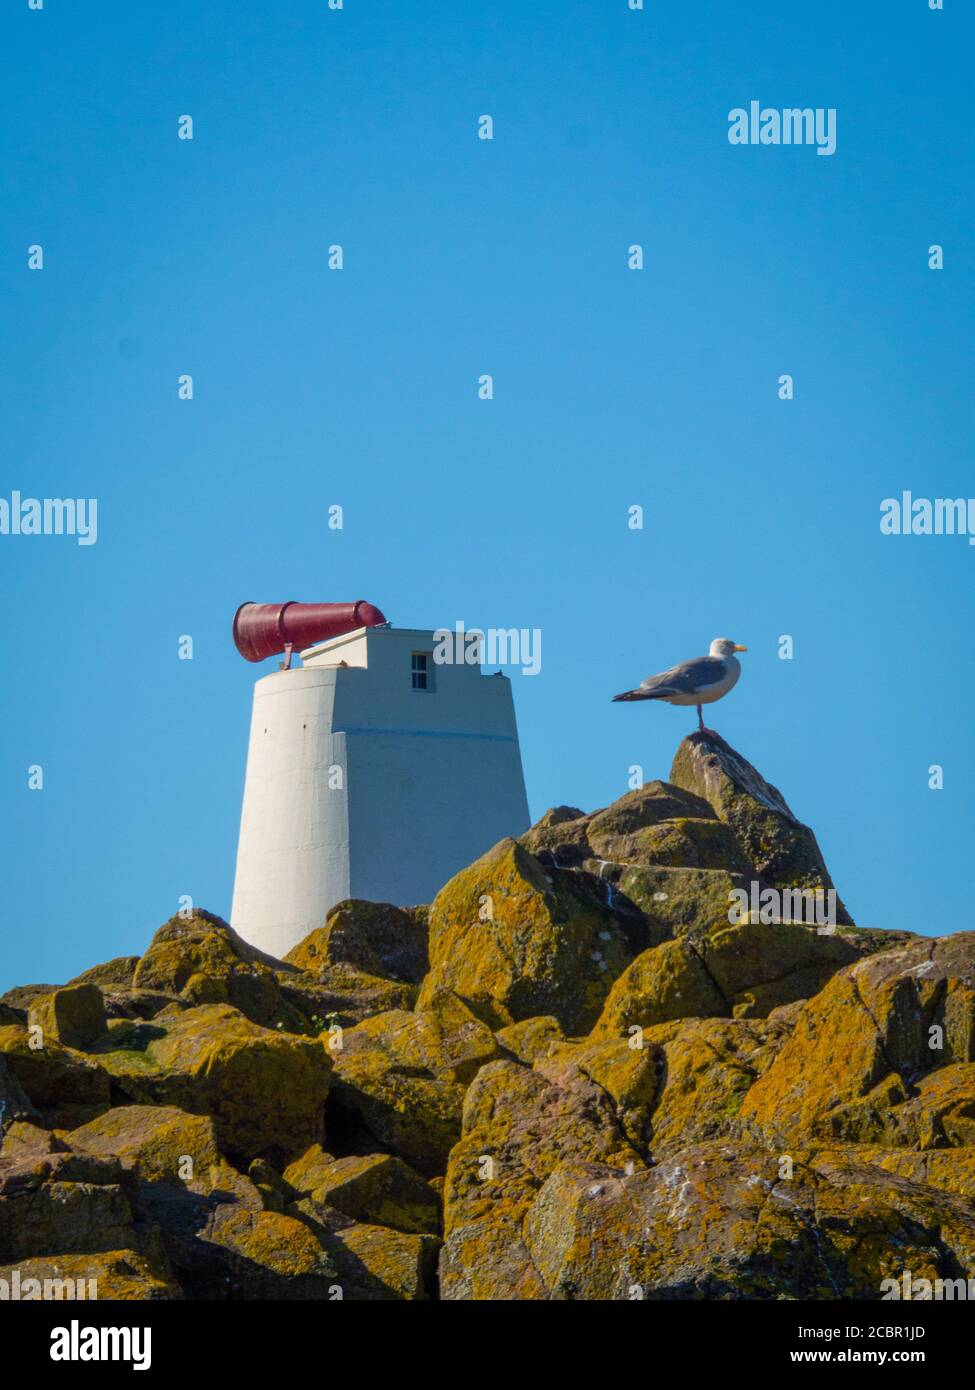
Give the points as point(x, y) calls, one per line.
point(686, 678)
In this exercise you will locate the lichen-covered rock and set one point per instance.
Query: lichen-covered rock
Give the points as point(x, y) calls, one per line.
point(938, 1111)
point(759, 967)
point(202, 959)
point(894, 1015)
point(608, 1085)
point(677, 852)
point(705, 1066)
point(257, 1255)
point(530, 1039)
point(950, 1170)
point(519, 1125)
point(559, 837)
point(569, 835)
point(74, 1015)
point(372, 1263)
point(30, 1163)
point(677, 901)
point(374, 938)
point(445, 1038)
point(15, 1104)
point(117, 1275)
point(944, 1221)
point(378, 1189)
point(65, 1086)
point(746, 970)
point(943, 1111)
point(63, 1203)
point(20, 996)
point(254, 989)
point(654, 844)
point(340, 994)
point(655, 803)
point(265, 1089)
point(667, 982)
point(26, 1141)
point(138, 1003)
point(401, 1265)
point(719, 1221)
point(160, 1143)
point(784, 852)
point(119, 971)
point(689, 843)
point(515, 940)
point(629, 1076)
point(309, 1171)
point(199, 943)
point(400, 1080)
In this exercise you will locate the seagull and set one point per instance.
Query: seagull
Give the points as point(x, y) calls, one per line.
point(700, 681)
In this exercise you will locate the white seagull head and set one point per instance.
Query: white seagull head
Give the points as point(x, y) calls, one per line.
point(723, 646)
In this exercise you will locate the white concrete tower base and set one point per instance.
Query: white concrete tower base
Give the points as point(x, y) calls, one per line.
point(362, 781)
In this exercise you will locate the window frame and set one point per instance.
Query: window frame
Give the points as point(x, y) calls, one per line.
point(426, 671)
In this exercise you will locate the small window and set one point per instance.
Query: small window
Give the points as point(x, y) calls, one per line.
point(420, 671)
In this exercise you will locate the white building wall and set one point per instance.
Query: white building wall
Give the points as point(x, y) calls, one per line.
point(293, 851)
point(431, 780)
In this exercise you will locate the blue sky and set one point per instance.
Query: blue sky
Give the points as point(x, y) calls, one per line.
point(612, 388)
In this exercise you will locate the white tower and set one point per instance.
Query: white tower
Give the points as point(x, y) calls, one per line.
point(372, 772)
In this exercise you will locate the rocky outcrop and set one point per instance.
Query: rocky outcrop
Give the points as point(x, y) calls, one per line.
point(592, 1071)
point(65, 1087)
point(343, 996)
point(886, 1049)
point(375, 1188)
point(400, 1080)
point(119, 971)
point(66, 1215)
point(264, 1089)
point(377, 939)
point(745, 971)
point(203, 961)
point(515, 940)
point(782, 851)
point(519, 1125)
point(718, 1221)
point(74, 1015)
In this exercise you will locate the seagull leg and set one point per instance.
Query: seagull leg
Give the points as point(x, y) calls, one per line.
point(701, 725)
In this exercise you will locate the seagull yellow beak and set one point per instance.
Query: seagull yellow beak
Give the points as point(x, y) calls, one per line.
point(740, 649)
